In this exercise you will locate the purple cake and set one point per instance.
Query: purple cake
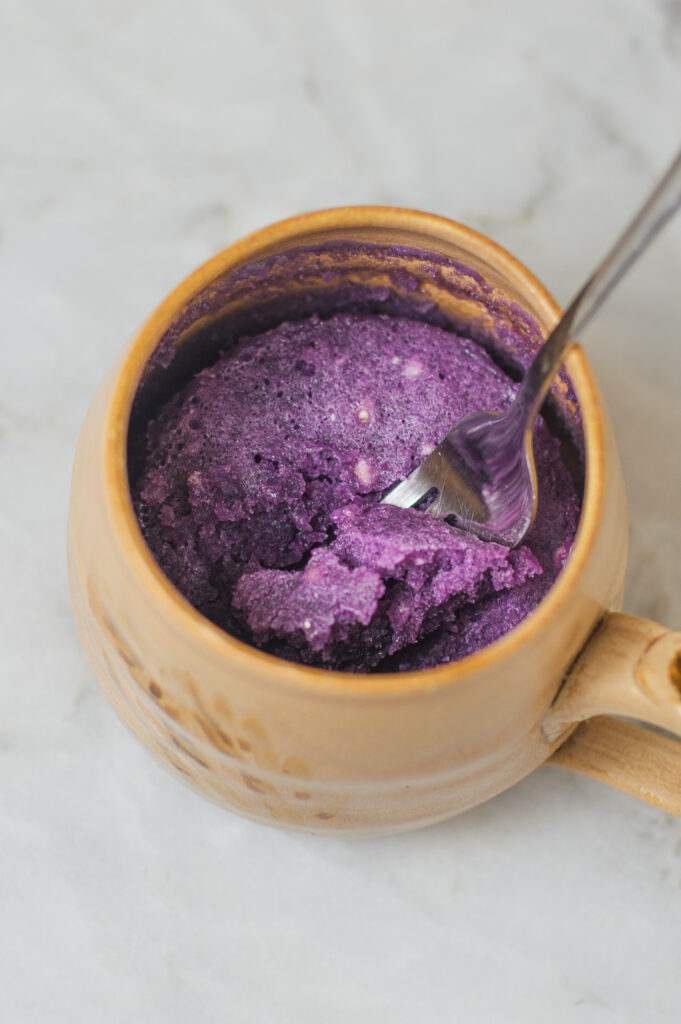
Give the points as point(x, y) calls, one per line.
point(259, 488)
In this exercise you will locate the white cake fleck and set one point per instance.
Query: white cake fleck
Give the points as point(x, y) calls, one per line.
point(364, 471)
point(413, 368)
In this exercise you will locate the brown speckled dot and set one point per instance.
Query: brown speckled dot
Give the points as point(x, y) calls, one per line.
point(177, 766)
point(324, 815)
point(296, 766)
point(227, 740)
point(244, 745)
point(127, 658)
point(190, 753)
point(675, 671)
point(155, 691)
point(255, 784)
point(303, 796)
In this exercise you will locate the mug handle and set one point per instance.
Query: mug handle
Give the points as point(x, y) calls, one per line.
point(630, 668)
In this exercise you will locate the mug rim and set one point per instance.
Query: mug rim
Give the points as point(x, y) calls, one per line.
point(277, 671)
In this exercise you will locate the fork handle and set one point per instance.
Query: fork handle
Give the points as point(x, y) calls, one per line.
point(662, 203)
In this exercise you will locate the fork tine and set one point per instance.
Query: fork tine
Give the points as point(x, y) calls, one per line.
point(412, 489)
point(454, 496)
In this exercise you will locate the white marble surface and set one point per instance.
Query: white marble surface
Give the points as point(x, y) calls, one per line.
point(136, 139)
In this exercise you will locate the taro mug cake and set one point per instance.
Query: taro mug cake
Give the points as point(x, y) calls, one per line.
point(259, 481)
point(288, 645)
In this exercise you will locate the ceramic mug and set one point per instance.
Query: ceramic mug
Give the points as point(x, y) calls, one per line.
point(318, 750)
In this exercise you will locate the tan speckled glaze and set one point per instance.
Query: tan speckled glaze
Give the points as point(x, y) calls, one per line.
point(311, 749)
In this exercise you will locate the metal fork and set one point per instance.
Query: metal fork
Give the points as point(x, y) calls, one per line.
point(482, 473)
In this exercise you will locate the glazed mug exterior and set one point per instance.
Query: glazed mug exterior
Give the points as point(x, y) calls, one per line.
point(318, 750)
